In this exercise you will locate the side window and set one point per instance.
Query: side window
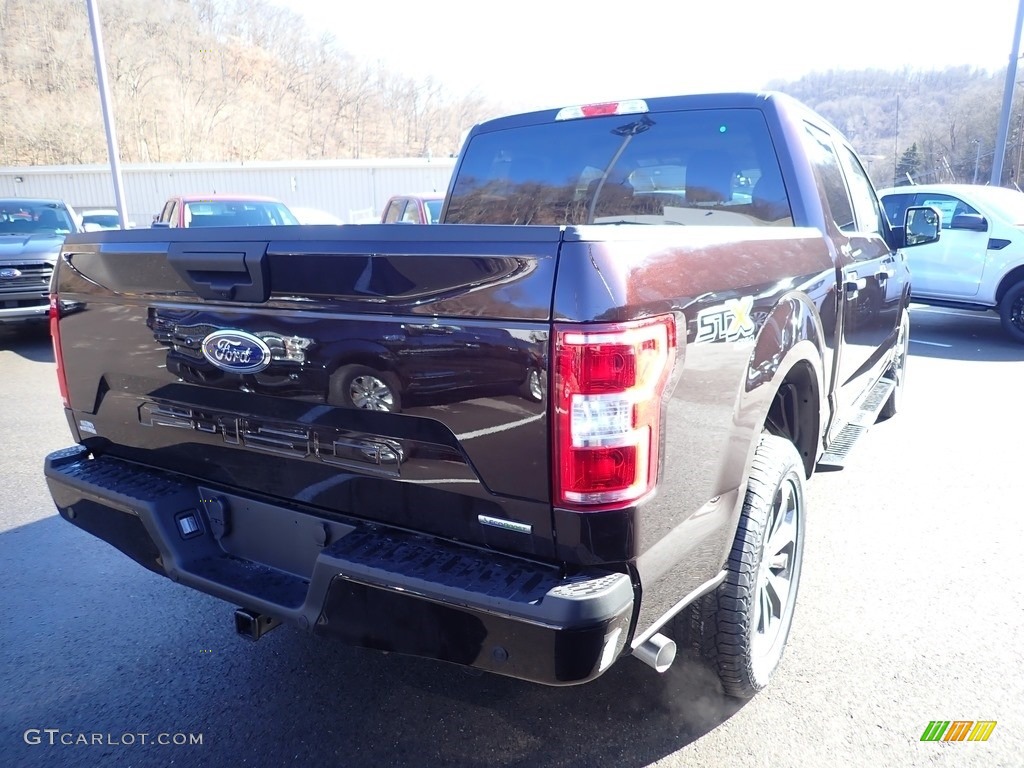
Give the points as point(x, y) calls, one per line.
point(165, 214)
point(412, 213)
point(948, 206)
point(393, 212)
point(865, 202)
point(433, 211)
point(896, 207)
point(172, 217)
point(830, 176)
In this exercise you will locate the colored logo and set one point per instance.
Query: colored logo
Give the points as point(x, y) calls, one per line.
point(236, 351)
point(10, 274)
point(958, 730)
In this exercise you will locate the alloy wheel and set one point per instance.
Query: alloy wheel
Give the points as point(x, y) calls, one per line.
point(1017, 313)
point(775, 578)
point(371, 393)
point(536, 390)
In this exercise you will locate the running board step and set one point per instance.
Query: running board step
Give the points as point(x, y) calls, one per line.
point(839, 449)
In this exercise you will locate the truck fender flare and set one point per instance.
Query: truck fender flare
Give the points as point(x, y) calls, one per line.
point(790, 337)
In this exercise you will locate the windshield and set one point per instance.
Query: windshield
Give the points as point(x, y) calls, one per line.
point(108, 220)
point(237, 213)
point(696, 167)
point(19, 217)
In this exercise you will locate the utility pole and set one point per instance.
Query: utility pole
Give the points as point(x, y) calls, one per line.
point(896, 140)
point(108, 114)
point(1020, 149)
point(1004, 118)
point(977, 160)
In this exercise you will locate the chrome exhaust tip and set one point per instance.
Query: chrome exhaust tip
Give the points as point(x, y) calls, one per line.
point(658, 652)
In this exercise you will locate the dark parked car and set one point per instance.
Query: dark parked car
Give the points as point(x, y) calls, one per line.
point(400, 366)
point(31, 234)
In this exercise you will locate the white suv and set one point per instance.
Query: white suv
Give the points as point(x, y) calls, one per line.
point(978, 261)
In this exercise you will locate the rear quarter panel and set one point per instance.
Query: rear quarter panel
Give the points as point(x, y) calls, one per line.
point(749, 300)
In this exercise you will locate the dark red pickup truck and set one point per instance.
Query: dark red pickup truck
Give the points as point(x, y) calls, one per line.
point(532, 450)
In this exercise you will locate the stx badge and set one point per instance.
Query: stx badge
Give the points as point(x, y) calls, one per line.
point(730, 321)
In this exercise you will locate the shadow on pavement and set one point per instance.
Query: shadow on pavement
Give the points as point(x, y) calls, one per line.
point(31, 342)
point(961, 335)
point(96, 644)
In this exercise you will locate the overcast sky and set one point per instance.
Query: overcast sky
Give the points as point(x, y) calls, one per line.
point(544, 53)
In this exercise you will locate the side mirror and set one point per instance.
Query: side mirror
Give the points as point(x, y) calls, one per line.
point(922, 225)
point(972, 221)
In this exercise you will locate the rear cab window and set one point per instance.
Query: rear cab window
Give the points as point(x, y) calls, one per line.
point(706, 167)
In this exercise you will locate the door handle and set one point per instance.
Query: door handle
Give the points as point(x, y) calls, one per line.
point(223, 271)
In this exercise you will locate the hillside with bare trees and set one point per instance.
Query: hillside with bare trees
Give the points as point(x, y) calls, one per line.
point(205, 80)
point(243, 80)
point(937, 126)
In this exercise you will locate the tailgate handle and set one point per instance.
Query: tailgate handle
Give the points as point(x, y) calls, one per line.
point(223, 271)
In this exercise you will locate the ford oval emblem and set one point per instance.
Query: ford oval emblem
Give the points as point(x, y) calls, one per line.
point(10, 274)
point(236, 351)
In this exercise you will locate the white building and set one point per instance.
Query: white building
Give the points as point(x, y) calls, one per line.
point(353, 190)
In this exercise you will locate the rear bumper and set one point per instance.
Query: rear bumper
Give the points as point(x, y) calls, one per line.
point(365, 584)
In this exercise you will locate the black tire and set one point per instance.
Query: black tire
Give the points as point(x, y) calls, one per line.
point(897, 371)
point(1011, 312)
point(726, 626)
point(357, 386)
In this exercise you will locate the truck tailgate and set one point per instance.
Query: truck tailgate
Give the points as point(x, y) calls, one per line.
point(390, 373)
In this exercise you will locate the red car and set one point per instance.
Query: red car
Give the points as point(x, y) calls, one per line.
point(422, 208)
point(223, 211)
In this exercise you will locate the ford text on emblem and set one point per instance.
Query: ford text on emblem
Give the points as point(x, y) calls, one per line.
point(236, 351)
point(9, 274)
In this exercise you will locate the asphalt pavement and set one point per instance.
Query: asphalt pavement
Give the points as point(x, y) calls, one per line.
point(911, 609)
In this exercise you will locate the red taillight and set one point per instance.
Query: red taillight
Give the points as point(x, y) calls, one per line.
point(58, 356)
point(609, 384)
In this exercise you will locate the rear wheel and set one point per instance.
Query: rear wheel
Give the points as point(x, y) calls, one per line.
point(741, 628)
point(1011, 312)
point(533, 387)
point(356, 386)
